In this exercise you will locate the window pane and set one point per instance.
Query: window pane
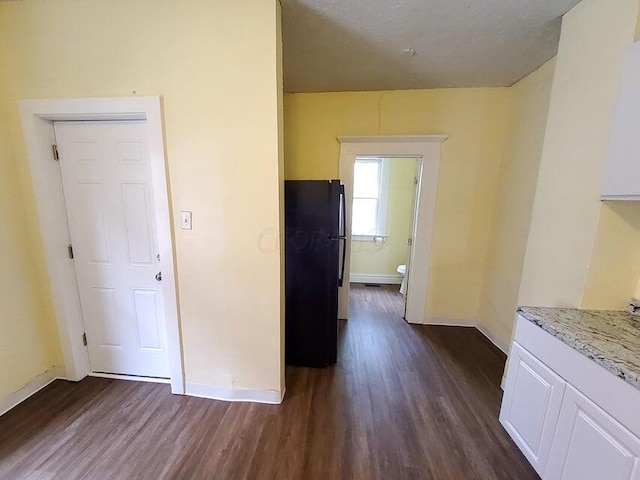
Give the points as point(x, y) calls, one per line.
point(365, 212)
point(365, 179)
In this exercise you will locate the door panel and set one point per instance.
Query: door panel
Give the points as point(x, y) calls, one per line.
point(106, 177)
point(590, 445)
point(91, 214)
point(147, 319)
point(532, 399)
point(139, 238)
point(102, 308)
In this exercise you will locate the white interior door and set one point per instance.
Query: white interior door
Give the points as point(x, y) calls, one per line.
point(412, 235)
point(106, 177)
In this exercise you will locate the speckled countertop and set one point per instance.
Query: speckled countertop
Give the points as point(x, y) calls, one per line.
point(609, 338)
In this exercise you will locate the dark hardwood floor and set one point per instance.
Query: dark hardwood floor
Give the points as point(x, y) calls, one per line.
point(403, 402)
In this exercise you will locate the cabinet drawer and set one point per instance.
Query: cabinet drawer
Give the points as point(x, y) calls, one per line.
point(531, 404)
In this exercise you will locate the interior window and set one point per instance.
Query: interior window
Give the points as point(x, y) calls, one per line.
point(369, 197)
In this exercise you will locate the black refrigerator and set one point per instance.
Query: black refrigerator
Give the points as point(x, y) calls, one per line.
point(315, 250)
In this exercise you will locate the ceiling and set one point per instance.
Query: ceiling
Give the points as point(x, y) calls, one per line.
point(343, 45)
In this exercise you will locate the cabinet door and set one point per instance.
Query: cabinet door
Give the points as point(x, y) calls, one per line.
point(623, 167)
point(590, 445)
point(530, 407)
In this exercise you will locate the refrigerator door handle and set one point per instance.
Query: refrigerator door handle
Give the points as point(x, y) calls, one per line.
point(344, 257)
point(343, 235)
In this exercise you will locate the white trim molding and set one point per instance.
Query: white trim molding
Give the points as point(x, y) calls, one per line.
point(31, 388)
point(393, 138)
point(450, 322)
point(493, 338)
point(375, 279)
point(37, 124)
point(200, 390)
point(607, 197)
point(425, 148)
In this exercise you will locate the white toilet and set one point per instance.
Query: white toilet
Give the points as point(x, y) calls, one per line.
point(402, 270)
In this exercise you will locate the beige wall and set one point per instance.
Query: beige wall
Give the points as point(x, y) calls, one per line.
point(615, 259)
point(28, 337)
point(524, 137)
point(216, 66)
point(280, 102)
point(571, 229)
point(474, 119)
point(614, 267)
point(373, 258)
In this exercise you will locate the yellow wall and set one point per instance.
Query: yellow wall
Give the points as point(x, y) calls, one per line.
point(216, 66)
point(373, 258)
point(28, 337)
point(524, 137)
point(570, 228)
point(280, 101)
point(474, 119)
point(614, 270)
point(614, 267)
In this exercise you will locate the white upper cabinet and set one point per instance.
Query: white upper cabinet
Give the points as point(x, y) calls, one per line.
point(622, 175)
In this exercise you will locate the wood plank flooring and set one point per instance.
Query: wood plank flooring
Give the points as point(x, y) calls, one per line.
point(404, 402)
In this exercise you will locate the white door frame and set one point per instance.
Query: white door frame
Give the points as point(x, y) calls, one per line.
point(37, 125)
point(426, 148)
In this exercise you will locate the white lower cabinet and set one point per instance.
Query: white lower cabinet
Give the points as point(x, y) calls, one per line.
point(571, 418)
point(590, 445)
point(530, 407)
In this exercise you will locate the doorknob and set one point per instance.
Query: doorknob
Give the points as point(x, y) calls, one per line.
point(159, 276)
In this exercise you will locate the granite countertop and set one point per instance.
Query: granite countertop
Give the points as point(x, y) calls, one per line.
point(609, 338)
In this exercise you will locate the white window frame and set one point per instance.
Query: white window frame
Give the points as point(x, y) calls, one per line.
point(383, 200)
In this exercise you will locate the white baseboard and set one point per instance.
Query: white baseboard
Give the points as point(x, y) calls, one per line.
point(493, 338)
point(450, 322)
point(376, 279)
point(34, 386)
point(233, 395)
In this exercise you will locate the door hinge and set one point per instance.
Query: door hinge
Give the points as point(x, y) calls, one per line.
point(84, 339)
point(56, 156)
point(70, 250)
point(409, 241)
point(415, 180)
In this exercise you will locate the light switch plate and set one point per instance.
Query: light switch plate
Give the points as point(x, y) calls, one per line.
point(186, 220)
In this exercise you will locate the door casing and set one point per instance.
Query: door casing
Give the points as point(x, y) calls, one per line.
point(426, 148)
point(37, 124)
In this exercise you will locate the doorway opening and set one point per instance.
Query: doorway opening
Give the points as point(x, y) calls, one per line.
point(425, 151)
point(383, 225)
